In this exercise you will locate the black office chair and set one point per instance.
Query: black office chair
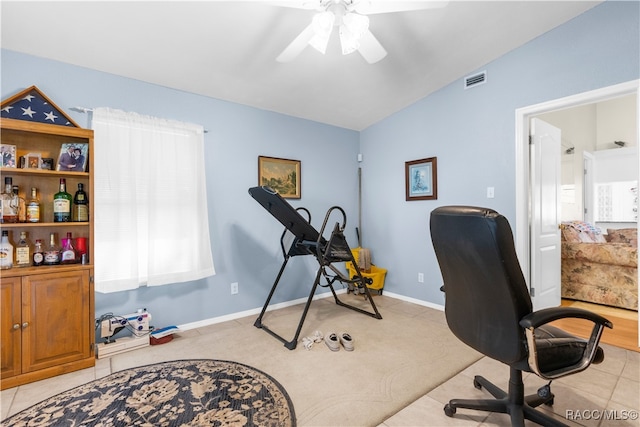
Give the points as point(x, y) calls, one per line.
point(488, 307)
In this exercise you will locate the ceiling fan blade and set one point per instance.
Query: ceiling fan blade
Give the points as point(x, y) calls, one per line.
point(370, 7)
point(297, 4)
point(297, 45)
point(370, 48)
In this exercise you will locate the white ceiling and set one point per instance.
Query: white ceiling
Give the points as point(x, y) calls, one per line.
point(227, 49)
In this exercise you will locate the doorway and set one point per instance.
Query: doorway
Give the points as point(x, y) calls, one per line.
point(523, 118)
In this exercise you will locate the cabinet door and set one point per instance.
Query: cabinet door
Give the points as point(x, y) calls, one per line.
point(11, 321)
point(56, 308)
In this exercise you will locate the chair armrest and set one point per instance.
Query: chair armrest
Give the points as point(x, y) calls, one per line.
point(546, 315)
point(541, 317)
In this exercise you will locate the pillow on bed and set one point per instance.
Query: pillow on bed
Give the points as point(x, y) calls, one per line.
point(570, 234)
point(580, 231)
point(623, 235)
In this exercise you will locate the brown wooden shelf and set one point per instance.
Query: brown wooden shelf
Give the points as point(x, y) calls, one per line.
point(35, 299)
point(43, 173)
point(43, 269)
point(44, 224)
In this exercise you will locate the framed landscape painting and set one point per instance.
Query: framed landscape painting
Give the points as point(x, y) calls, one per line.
point(421, 179)
point(283, 175)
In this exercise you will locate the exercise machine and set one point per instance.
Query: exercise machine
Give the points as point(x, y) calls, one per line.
point(300, 238)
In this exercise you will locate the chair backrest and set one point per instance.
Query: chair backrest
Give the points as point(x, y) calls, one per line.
point(485, 291)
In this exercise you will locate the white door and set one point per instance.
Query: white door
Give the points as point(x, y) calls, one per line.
point(545, 214)
point(588, 204)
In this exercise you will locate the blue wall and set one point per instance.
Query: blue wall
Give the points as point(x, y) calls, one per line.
point(471, 132)
point(245, 237)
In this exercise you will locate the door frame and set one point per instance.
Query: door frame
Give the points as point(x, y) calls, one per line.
point(523, 116)
point(588, 204)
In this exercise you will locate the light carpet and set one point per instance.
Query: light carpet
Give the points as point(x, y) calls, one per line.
point(396, 360)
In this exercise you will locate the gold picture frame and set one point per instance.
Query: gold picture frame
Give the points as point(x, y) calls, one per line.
point(421, 179)
point(282, 175)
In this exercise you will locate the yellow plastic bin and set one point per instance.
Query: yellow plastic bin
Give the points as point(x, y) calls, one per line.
point(376, 274)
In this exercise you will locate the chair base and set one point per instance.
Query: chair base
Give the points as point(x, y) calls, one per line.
point(513, 403)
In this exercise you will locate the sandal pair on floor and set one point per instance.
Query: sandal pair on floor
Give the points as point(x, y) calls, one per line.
point(308, 341)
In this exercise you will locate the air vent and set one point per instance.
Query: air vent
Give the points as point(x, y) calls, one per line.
point(475, 80)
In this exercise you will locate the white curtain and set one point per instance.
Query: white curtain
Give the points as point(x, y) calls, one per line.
point(151, 220)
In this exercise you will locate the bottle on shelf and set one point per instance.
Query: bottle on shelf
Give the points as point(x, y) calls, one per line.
point(62, 203)
point(6, 251)
point(23, 251)
point(68, 252)
point(52, 251)
point(9, 202)
point(80, 205)
point(22, 205)
point(81, 250)
point(33, 207)
point(38, 253)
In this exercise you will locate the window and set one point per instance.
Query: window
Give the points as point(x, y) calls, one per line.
point(151, 219)
point(617, 201)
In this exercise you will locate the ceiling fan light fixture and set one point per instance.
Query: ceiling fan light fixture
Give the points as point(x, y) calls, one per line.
point(350, 16)
point(322, 24)
point(351, 31)
point(356, 23)
point(348, 41)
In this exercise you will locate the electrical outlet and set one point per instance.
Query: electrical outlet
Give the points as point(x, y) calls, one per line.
point(420, 277)
point(234, 288)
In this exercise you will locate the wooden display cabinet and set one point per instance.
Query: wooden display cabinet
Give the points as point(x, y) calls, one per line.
point(47, 312)
point(46, 321)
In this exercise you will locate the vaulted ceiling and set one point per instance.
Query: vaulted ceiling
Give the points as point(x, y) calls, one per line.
point(227, 49)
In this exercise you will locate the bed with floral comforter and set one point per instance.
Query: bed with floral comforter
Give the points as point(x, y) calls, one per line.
point(598, 268)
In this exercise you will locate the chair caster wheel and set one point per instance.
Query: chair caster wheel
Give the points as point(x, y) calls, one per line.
point(477, 384)
point(544, 391)
point(549, 402)
point(449, 411)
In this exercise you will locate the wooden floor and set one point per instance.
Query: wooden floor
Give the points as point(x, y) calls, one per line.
point(625, 324)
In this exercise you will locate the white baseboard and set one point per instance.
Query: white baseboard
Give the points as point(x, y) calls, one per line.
point(415, 301)
point(256, 311)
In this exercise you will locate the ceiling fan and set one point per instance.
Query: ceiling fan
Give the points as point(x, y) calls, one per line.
point(350, 17)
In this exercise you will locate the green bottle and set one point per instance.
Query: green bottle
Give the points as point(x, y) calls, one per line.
point(62, 203)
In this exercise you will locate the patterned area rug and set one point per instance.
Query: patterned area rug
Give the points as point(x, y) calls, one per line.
point(179, 393)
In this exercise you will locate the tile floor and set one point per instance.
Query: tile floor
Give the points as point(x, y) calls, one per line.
point(609, 390)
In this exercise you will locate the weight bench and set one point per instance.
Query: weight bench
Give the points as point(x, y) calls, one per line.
point(300, 238)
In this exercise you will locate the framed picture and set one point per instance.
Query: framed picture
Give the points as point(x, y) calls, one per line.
point(73, 157)
point(47, 163)
point(421, 179)
point(31, 161)
point(8, 156)
point(282, 175)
